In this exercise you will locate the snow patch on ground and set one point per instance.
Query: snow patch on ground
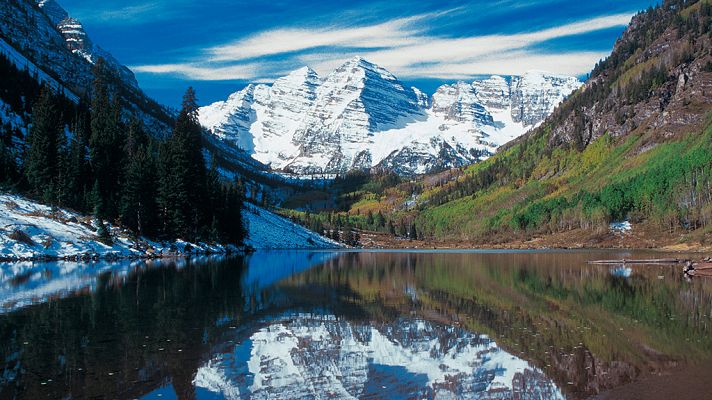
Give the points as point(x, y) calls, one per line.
point(268, 230)
point(622, 227)
point(29, 230)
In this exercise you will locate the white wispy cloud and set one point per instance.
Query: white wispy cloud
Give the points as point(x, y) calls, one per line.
point(129, 13)
point(454, 51)
point(394, 33)
point(401, 45)
point(514, 63)
point(249, 71)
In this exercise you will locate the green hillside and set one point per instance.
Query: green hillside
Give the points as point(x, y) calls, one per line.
point(538, 191)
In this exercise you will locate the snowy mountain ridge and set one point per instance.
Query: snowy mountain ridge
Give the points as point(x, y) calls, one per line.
point(361, 116)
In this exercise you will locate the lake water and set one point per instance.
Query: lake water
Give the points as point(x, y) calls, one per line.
point(375, 325)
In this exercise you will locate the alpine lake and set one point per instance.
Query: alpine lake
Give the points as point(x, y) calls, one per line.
point(356, 324)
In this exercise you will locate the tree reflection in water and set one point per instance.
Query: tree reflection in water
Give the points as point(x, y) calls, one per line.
point(387, 324)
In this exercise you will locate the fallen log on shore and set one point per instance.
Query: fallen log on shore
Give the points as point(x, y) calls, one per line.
point(649, 261)
point(706, 272)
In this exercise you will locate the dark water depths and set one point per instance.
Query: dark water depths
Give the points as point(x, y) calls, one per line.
point(376, 325)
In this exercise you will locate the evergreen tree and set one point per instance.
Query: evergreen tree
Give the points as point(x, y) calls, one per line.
point(106, 142)
point(227, 204)
point(232, 225)
point(9, 170)
point(102, 232)
point(183, 196)
point(348, 234)
point(95, 200)
point(216, 198)
point(403, 230)
point(164, 198)
point(369, 218)
point(391, 228)
point(42, 159)
point(138, 207)
point(379, 220)
point(76, 168)
point(8, 167)
point(413, 232)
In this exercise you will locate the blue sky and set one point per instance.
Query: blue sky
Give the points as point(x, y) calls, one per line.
point(218, 46)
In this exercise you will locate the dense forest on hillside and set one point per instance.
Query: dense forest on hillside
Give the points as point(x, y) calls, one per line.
point(95, 158)
point(635, 143)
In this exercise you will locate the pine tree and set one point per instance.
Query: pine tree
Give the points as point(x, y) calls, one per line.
point(106, 142)
point(9, 170)
point(403, 230)
point(218, 198)
point(233, 224)
point(42, 159)
point(8, 167)
point(102, 232)
point(76, 168)
point(348, 234)
point(183, 196)
point(379, 220)
point(413, 232)
point(138, 209)
point(95, 200)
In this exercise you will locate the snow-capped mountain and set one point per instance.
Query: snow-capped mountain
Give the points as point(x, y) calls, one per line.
point(57, 44)
point(361, 116)
point(321, 356)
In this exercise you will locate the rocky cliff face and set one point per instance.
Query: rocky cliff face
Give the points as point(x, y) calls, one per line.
point(657, 79)
point(361, 116)
point(309, 355)
point(535, 95)
point(78, 42)
point(43, 32)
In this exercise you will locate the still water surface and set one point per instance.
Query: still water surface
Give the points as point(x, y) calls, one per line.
point(376, 325)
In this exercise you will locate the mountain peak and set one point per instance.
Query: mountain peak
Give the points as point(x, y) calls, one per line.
point(539, 77)
point(359, 62)
point(359, 66)
point(304, 74)
point(53, 10)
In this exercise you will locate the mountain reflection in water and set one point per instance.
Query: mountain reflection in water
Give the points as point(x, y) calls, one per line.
point(526, 325)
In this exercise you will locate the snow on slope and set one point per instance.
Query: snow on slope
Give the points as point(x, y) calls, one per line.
point(23, 63)
point(361, 116)
point(268, 230)
point(29, 230)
